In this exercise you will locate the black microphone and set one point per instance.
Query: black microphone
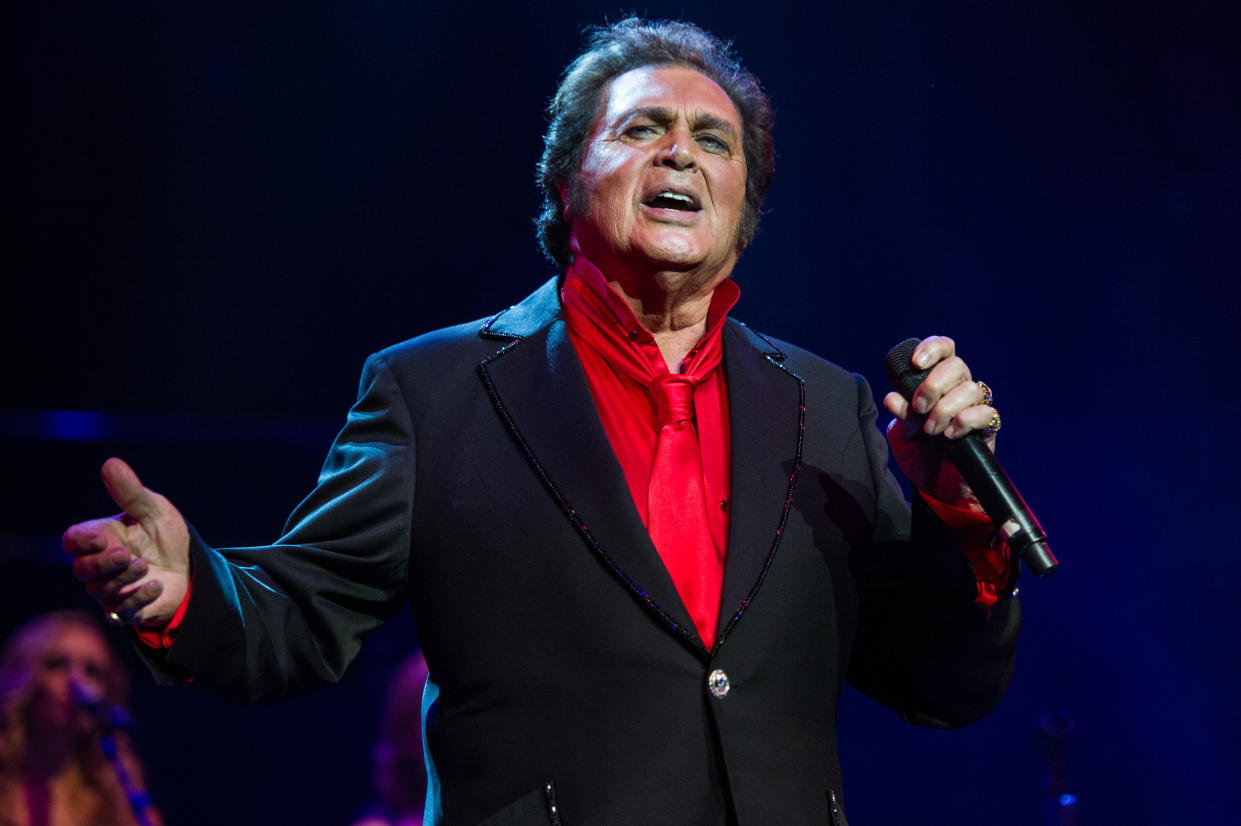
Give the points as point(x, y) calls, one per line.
point(983, 473)
point(107, 718)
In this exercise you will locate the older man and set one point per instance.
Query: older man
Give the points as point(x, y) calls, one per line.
point(644, 545)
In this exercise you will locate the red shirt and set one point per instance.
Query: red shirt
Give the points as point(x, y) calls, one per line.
point(620, 359)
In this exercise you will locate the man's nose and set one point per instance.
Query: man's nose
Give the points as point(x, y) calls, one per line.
point(679, 153)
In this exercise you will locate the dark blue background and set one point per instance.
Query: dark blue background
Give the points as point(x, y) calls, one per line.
point(215, 211)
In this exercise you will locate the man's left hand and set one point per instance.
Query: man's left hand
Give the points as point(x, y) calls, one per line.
point(949, 402)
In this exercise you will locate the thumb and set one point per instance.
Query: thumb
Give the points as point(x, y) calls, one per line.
point(126, 489)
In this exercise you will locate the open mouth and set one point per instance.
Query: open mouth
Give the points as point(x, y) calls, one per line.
point(671, 199)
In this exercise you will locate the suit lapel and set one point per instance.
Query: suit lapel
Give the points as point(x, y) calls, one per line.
point(767, 415)
point(538, 386)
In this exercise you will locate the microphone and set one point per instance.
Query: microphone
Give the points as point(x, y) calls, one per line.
point(107, 718)
point(983, 473)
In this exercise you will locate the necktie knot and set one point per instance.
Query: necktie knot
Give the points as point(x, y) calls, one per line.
point(674, 399)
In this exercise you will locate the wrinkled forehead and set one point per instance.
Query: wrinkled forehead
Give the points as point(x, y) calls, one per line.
point(669, 87)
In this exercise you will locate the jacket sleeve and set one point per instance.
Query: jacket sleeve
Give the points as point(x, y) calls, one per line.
point(924, 647)
point(267, 622)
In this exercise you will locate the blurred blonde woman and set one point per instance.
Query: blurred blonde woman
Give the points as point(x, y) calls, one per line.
point(53, 769)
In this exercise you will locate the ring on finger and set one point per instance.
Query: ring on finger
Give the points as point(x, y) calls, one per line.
point(993, 426)
point(987, 396)
point(114, 618)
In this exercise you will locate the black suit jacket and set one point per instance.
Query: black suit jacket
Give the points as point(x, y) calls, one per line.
point(474, 480)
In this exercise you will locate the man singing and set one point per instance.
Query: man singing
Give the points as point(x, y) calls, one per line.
point(644, 545)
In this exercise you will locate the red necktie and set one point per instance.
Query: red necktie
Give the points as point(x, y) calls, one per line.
point(676, 506)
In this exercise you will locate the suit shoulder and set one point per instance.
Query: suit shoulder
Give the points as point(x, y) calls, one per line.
point(479, 338)
point(446, 342)
point(799, 360)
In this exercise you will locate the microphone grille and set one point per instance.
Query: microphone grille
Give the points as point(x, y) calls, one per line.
point(905, 377)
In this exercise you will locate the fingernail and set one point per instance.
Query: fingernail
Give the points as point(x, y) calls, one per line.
point(920, 404)
point(929, 427)
point(922, 359)
point(950, 431)
point(120, 556)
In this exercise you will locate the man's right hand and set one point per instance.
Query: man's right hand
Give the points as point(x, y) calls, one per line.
point(135, 564)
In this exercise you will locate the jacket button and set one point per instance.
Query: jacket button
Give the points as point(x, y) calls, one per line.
point(718, 684)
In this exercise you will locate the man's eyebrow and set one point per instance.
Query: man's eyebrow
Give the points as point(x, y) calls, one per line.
point(709, 121)
point(661, 114)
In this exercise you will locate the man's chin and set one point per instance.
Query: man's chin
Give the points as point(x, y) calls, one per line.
point(676, 253)
point(695, 273)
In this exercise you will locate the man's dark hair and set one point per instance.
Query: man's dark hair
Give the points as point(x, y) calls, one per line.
point(631, 44)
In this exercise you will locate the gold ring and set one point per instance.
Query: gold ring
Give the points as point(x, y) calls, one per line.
point(114, 619)
point(993, 426)
point(986, 393)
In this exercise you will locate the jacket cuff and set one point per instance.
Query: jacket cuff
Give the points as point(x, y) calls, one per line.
point(979, 542)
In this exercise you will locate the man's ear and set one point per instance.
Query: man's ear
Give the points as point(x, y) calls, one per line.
point(563, 189)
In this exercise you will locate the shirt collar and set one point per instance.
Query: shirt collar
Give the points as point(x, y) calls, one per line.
point(585, 273)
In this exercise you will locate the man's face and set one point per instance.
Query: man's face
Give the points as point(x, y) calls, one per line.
point(662, 180)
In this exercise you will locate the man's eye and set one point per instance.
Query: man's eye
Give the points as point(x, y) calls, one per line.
point(642, 131)
point(714, 144)
point(55, 663)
